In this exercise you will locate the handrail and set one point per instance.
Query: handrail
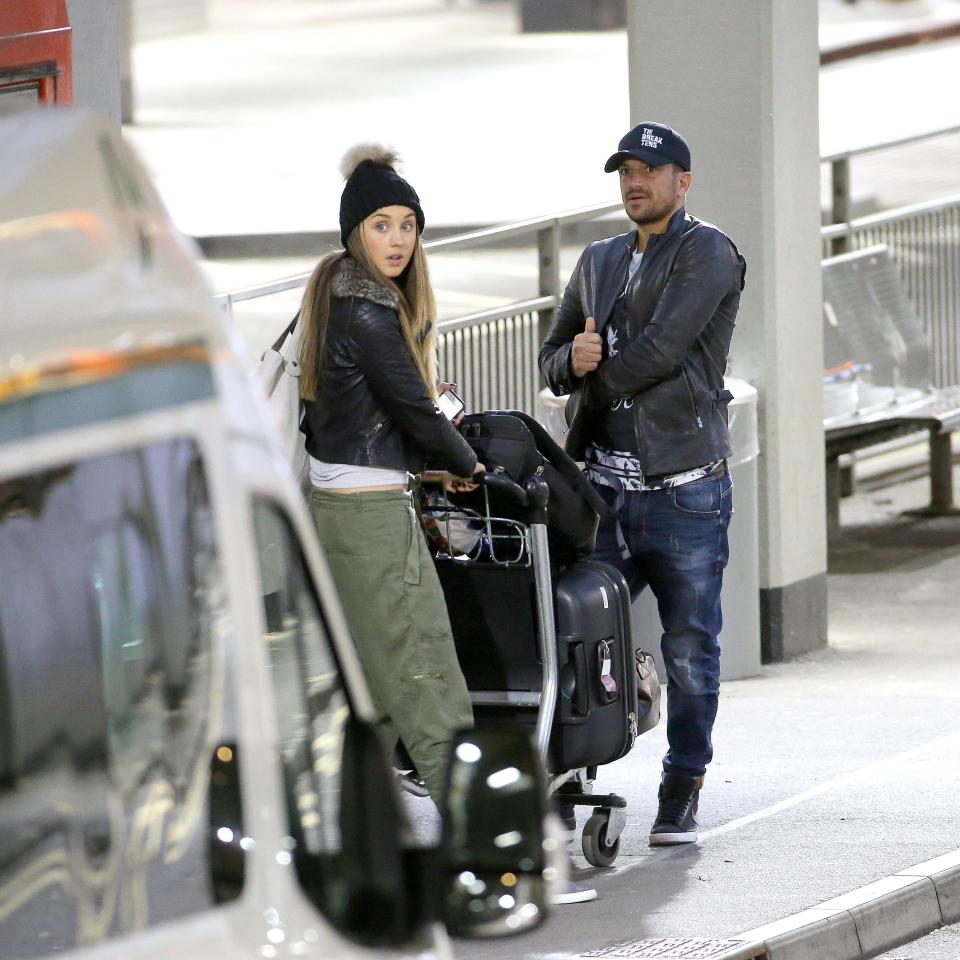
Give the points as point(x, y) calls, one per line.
point(887, 144)
point(833, 231)
point(551, 224)
point(524, 227)
point(828, 232)
point(498, 313)
point(264, 289)
point(504, 231)
point(840, 177)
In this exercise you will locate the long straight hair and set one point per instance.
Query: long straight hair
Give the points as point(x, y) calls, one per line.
point(417, 309)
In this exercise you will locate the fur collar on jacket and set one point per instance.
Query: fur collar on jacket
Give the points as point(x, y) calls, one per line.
point(348, 282)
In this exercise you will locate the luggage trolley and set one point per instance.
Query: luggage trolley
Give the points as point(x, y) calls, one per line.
point(551, 652)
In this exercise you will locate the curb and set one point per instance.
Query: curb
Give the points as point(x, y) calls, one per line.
point(865, 922)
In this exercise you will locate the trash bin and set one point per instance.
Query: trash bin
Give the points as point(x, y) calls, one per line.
point(740, 597)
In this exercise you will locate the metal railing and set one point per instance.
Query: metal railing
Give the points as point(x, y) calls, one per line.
point(924, 241)
point(840, 177)
point(493, 353)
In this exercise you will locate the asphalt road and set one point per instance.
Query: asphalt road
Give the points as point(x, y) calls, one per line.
point(942, 944)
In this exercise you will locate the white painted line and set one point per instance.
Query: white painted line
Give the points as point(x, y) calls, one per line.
point(945, 743)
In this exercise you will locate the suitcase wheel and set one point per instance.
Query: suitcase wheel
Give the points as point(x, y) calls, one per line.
point(596, 848)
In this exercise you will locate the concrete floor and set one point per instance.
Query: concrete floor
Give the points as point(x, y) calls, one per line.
point(831, 771)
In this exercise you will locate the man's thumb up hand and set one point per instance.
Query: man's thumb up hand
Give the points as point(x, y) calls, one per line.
point(587, 350)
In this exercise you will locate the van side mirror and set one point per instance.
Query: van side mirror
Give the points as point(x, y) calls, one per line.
point(496, 863)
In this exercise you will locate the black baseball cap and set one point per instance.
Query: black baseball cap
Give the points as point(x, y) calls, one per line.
point(653, 143)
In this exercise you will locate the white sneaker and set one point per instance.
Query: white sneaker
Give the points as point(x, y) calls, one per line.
point(411, 783)
point(575, 891)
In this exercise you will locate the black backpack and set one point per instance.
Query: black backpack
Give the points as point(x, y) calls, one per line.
point(513, 443)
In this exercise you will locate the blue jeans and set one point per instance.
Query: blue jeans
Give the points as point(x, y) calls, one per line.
point(677, 541)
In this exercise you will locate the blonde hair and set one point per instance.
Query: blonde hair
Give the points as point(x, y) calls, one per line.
point(417, 310)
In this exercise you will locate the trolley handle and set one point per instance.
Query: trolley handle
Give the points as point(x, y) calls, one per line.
point(500, 483)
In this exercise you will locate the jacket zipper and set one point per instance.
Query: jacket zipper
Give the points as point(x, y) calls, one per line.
point(693, 401)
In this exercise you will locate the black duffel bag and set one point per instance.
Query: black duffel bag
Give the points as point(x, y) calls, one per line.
point(514, 444)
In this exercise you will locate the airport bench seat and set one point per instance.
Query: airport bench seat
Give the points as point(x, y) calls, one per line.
point(877, 381)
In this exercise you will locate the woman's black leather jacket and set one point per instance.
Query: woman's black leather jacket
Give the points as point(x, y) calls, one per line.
point(371, 407)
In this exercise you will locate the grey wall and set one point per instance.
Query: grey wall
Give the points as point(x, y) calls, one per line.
point(740, 80)
point(96, 54)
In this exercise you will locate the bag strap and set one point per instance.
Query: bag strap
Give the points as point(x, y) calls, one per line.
point(617, 484)
point(278, 343)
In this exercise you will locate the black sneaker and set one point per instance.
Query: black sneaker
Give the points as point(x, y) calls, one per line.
point(676, 816)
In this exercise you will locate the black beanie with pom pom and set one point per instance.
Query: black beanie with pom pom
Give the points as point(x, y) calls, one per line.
point(372, 183)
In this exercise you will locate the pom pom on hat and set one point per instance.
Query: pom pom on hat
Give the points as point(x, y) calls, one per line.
point(375, 153)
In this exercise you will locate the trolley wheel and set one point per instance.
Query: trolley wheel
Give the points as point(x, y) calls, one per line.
point(598, 851)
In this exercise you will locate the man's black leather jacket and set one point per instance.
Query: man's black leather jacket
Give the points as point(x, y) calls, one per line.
point(371, 407)
point(681, 313)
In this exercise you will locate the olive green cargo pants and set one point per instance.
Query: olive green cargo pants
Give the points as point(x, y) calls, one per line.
point(396, 612)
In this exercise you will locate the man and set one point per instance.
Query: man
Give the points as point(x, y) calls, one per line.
point(640, 343)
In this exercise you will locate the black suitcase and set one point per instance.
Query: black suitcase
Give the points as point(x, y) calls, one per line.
point(596, 720)
point(493, 615)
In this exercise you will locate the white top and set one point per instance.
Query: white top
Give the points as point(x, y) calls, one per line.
point(632, 267)
point(346, 475)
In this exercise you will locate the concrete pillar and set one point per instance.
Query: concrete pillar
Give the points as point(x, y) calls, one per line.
point(739, 79)
point(96, 55)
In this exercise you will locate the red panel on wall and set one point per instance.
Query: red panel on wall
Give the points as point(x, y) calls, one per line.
point(35, 51)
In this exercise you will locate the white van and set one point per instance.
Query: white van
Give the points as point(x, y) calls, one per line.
point(187, 763)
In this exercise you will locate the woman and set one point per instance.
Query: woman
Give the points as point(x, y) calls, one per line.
point(368, 369)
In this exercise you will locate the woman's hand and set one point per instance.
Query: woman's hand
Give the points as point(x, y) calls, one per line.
point(454, 484)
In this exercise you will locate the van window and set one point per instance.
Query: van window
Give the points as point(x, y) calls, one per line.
point(344, 843)
point(311, 704)
point(113, 696)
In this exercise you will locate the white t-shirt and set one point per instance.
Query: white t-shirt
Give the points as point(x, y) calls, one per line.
point(346, 475)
